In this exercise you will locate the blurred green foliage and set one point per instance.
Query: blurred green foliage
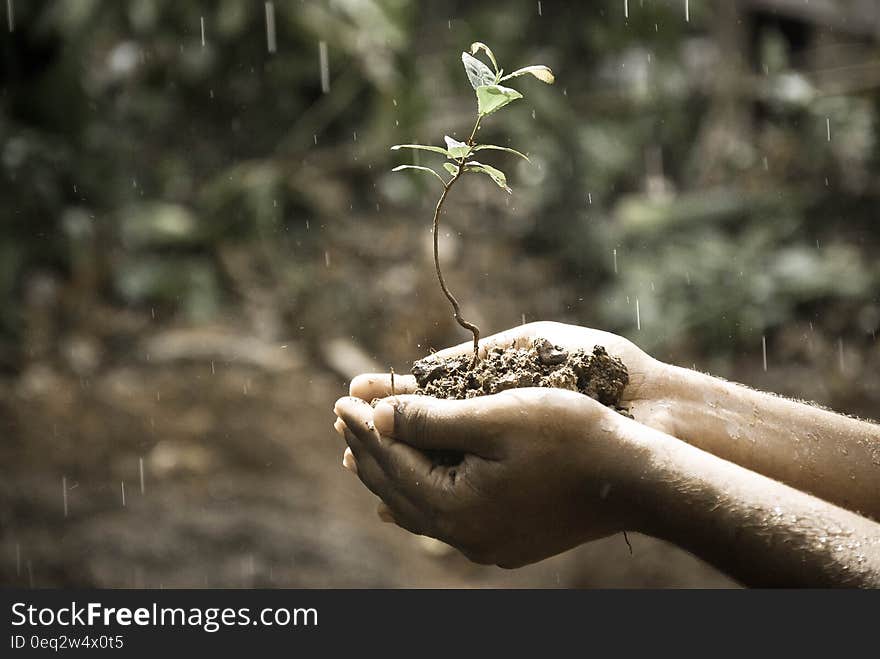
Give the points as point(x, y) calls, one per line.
point(135, 159)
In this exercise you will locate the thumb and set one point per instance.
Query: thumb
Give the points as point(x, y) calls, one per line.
point(469, 426)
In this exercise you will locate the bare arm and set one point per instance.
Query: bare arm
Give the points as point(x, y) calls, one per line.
point(759, 531)
point(545, 470)
point(834, 457)
point(829, 455)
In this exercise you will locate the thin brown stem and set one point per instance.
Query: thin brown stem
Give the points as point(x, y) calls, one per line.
point(449, 296)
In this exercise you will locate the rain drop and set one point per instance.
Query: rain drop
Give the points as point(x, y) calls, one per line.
point(325, 66)
point(271, 44)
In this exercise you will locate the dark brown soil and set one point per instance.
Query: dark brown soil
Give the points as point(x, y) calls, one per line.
point(596, 374)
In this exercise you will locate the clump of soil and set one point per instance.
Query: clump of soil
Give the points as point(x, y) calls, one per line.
point(596, 374)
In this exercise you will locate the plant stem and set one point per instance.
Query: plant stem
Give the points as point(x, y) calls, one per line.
point(449, 296)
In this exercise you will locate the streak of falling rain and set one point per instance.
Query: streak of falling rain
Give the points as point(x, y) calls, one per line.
point(202, 24)
point(626, 8)
point(687, 11)
point(122, 484)
point(614, 254)
point(638, 316)
point(540, 9)
point(141, 474)
point(324, 62)
point(64, 493)
point(10, 15)
point(766, 164)
point(764, 351)
point(213, 371)
point(270, 27)
point(590, 198)
point(840, 353)
point(327, 259)
point(828, 128)
point(523, 319)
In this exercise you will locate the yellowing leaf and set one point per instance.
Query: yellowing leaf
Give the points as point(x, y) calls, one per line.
point(479, 45)
point(541, 72)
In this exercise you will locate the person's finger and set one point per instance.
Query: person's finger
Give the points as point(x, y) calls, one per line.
point(468, 426)
point(405, 513)
point(411, 469)
point(349, 462)
point(368, 386)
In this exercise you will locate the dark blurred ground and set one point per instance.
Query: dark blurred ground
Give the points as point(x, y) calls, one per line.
point(199, 245)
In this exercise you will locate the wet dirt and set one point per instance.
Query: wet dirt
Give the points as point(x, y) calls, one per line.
point(595, 374)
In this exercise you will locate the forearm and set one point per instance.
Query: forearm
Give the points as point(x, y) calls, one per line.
point(832, 456)
point(759, 531)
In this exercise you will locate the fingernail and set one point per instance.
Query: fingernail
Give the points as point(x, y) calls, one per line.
point(383, 418)
point(348, 461)
point(339, 426)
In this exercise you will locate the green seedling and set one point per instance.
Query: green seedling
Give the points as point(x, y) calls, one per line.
point(491, 97)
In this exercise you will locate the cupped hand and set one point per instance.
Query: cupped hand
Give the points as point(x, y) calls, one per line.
point(645, 396)
point(543, 470)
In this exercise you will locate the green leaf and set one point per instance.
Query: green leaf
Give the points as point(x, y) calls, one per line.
point(480, 147)
point(496, 174)
point(449, 167)
point(423, 147)
point(541, 72)
point(479, 45)
point(456, 149)
point(494, 97)
point(478, 73)
point(421, 169)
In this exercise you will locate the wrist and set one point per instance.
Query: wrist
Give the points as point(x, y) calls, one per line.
point(618, 461)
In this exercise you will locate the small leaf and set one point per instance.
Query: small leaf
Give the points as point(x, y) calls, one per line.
point(479, 45)
point(449, 167)
point(423, 147)
point(541, 72)
point(456, 149)
point(421, 169)
point(480, 147)
point(493, 97)
point(496, 174)
point(478, 73)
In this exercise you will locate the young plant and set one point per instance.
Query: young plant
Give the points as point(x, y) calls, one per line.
point(491, 97)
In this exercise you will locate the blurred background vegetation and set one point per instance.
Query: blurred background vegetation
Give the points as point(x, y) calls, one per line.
point(201, 240)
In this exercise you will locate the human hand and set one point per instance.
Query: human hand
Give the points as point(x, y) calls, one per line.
point(543, 470)
point(646, 396)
